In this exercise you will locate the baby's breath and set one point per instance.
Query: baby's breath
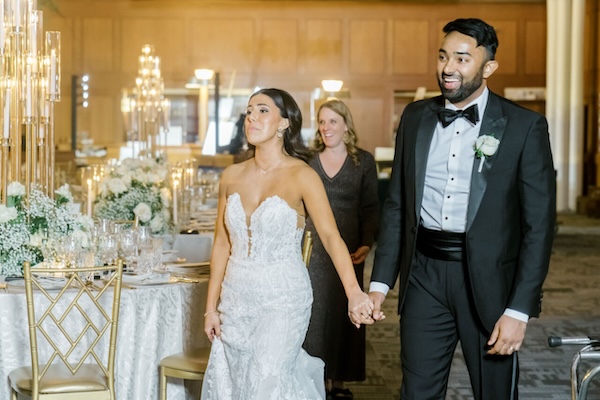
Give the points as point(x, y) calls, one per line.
point(37, 216)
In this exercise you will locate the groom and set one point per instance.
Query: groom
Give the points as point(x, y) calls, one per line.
point(469, 223)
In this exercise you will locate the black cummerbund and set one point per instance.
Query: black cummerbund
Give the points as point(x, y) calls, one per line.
point(448, 246)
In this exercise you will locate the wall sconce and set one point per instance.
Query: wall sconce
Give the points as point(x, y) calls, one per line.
point(332, 86)
point(203, 75)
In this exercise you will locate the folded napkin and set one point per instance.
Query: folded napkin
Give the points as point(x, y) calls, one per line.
point(151, 278)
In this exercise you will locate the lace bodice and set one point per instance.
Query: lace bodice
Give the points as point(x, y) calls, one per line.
point(273, 234)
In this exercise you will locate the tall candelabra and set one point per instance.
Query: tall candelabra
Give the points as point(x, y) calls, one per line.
point(147, 111)
point(29, 87)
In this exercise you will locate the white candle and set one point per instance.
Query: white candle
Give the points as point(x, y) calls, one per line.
point(17, 14)
point(2, 33)
point(90, 198)
point(53, 72)
point(175, 184)
point(28, 92)
point(7, 114)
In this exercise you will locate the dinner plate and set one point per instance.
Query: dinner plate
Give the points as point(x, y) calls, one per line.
point(188, 265)
point(151, 279)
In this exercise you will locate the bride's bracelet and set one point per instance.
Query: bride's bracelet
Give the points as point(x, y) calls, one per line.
point(210, 312)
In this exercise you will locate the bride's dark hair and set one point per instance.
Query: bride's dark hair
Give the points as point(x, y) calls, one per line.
point(293, 144)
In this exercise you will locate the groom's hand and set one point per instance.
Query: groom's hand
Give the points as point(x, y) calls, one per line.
point(377, 298)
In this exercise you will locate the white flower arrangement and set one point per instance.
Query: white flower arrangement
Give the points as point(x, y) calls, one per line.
point(137, 188)
point(485, 146)
point(27, 221)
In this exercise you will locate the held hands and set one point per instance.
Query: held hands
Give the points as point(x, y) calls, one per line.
point(377, 298)
point(507, 336)
point(360, 309)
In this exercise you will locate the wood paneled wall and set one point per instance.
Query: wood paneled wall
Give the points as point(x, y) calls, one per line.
point(377, 48)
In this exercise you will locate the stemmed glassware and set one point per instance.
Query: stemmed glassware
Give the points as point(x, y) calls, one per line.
point(108, 248)
point(128, 247)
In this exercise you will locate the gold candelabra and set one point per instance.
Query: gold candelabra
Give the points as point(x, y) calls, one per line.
point(147, 111)
point(29, 87)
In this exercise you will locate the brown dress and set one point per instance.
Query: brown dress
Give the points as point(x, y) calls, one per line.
point(352, 194)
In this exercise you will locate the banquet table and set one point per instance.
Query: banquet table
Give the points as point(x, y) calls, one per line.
point(154, 321)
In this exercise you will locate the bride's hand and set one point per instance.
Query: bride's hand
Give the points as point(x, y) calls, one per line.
point(212, 325)
point(360, 309)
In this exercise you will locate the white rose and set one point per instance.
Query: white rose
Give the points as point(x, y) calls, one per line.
point(81, 238)
point(486, 145)
point(126, 177)
point(117, 186)
point(143, 212)
point(85, 221)
point(104, 191)
point(153, 178)
point(15, 189)
point(156, 224)
point(141, 177)
point(7, 213)
point(65, 192)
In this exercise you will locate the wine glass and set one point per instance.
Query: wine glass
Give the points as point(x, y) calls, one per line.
point(128, 247)
point(108, 249)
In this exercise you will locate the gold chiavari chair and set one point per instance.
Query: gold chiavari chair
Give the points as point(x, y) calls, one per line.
point(189, 365)
point(77, 322)
point(192, 365)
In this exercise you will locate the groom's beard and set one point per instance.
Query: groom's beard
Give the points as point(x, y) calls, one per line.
point(465, 89)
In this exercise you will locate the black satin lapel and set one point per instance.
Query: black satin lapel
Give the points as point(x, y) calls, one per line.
point(493, 123)
point(425, 132)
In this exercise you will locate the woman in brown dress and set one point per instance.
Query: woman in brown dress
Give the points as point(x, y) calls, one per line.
point(349, 175)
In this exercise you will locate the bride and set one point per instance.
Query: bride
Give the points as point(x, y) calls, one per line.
point(259, 293)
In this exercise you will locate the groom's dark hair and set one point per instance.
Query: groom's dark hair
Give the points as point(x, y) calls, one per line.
point(484, 34)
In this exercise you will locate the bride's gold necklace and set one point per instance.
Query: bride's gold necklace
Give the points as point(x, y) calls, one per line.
point(271, 168)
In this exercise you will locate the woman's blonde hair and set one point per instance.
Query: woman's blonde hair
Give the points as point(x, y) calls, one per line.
point(350, 137)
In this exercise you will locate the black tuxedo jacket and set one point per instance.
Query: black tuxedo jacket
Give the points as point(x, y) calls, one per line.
point(511, 211)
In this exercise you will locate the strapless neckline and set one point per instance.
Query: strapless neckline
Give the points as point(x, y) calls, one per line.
point(264, 203)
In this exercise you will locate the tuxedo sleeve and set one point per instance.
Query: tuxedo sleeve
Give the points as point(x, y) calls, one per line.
point(387, 255)
point(536, 182)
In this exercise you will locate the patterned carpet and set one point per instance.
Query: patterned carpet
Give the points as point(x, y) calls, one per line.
point(571, 307)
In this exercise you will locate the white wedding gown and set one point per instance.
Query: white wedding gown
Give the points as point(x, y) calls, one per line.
point(265, 306)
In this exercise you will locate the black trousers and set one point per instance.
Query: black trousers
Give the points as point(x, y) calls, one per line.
point(437, 313)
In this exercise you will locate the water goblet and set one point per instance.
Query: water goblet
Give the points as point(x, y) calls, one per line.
point(128, 247)
point(108, 249)
point(157, 250)
point(106, 226)
point(144, 261)
point(85, 258)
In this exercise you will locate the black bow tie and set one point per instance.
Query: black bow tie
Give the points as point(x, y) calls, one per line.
point(446, 116)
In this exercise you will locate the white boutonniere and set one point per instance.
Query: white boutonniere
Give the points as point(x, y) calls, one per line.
point(485, 146)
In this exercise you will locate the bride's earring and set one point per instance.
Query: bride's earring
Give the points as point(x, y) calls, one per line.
point(279, 133)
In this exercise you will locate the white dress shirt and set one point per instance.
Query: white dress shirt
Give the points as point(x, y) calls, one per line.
point(448, 179)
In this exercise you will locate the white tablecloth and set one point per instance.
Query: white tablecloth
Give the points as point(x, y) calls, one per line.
point(154, 321)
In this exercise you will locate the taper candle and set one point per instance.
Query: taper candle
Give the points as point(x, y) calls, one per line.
point(6, 129)
point(90, 199)
point(52, 83)
point(175, 184)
